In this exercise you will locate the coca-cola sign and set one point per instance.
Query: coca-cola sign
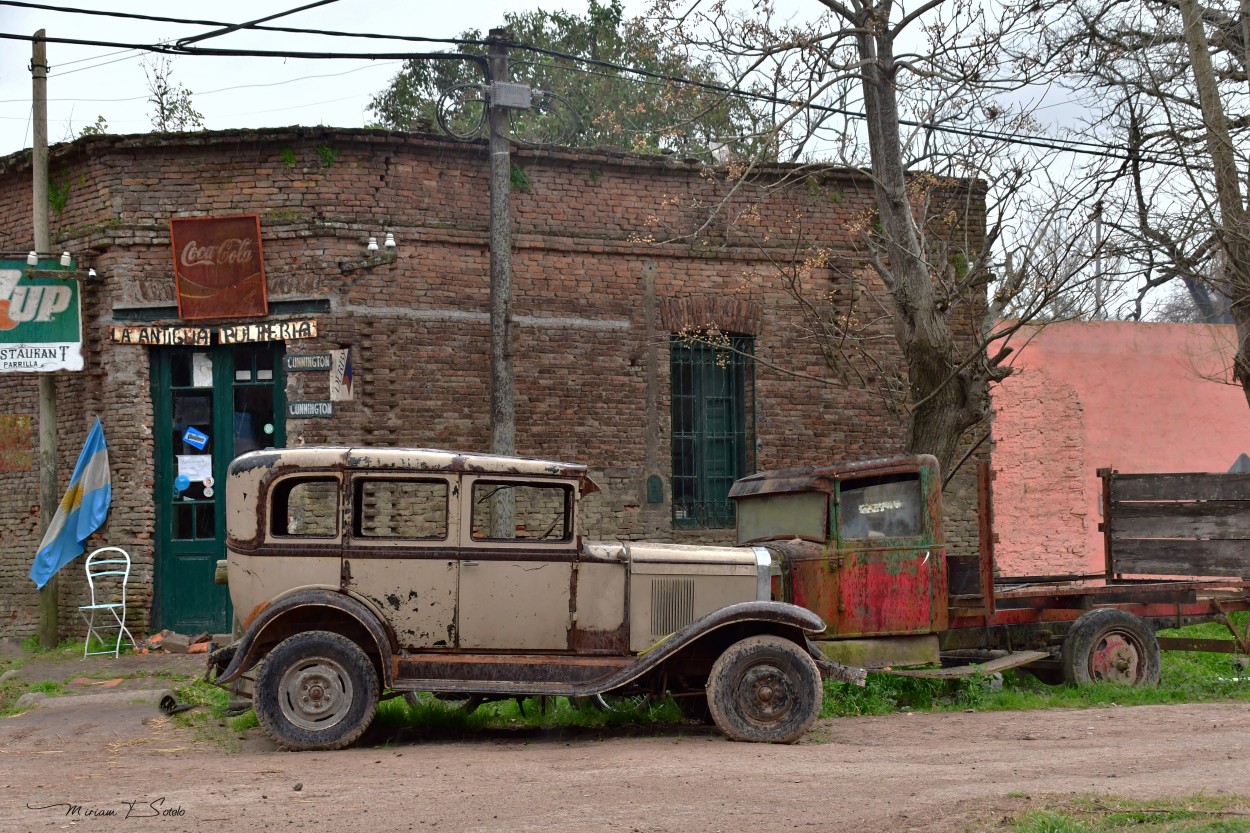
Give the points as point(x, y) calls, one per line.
point(218, 268)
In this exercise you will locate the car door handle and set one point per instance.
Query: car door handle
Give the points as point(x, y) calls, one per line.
point(469, 563)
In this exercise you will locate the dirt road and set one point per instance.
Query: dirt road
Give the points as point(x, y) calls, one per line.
point(941, 772)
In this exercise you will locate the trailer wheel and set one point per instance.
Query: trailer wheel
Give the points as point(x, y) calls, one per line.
point(764, 689)
point(1111, 645)
point(316, 690)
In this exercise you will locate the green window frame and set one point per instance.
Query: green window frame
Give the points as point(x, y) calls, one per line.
point(712, 384)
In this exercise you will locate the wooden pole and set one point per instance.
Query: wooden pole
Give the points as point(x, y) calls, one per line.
point(502, 380)
point(49, 614)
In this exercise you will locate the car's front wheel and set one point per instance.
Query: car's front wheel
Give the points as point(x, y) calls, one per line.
point(764, 689)
point(316, 690)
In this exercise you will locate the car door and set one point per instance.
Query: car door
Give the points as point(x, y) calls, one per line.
point(401, 554)
point(516, 575)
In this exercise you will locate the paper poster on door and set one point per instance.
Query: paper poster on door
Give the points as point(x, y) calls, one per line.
point(196, 467)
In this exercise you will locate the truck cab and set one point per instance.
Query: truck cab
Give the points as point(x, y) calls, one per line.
point(860, 545)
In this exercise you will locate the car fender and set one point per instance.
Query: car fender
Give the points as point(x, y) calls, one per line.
point(233, 660)
point(769, 613)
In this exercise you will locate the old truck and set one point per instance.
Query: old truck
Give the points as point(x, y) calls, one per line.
point(861, 546)
point(363, 572)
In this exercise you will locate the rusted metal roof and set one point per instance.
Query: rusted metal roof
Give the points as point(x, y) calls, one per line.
point(822, 478)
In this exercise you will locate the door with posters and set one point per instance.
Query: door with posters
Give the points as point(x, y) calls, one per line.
point(210, 404)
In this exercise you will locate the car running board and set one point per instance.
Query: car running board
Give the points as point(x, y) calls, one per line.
point(1012, 660)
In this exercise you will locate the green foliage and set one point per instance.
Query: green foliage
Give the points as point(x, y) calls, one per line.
point(609, 109)
point(327, 155)
point(98, 129)
point(520, 181)
point(58, 195)
point(288, 157)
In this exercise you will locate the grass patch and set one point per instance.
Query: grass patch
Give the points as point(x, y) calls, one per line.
point(1187, 677)
point(439, 717)
point(1198, 813)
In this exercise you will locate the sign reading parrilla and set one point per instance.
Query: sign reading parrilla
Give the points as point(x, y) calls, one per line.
point(308, 410)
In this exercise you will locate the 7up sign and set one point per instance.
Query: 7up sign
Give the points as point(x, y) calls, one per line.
point(40, 320)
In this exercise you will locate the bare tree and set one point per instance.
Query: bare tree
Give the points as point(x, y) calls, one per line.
point(1167, 80)
point(919, 95)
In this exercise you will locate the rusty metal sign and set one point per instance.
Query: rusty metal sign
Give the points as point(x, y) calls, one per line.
point(267, 331)
point(218, 268)
point(163, 336)
point(16, 453)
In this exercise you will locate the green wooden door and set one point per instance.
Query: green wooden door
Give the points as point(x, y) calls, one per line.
point(210, 404)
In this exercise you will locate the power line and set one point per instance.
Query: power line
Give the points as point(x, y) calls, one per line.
point(234, 27)
point(1073, 146)
point(251, 27)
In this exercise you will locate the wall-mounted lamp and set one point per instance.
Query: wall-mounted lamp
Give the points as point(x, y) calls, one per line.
point(33, 258)
point(374, 254)
point(65, 258)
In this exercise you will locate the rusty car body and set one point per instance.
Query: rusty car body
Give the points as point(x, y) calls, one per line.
point(357, 571)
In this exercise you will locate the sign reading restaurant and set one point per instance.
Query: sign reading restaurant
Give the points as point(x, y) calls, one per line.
point(40, 319)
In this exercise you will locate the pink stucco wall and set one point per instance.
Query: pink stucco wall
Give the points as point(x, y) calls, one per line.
point(1088, 395)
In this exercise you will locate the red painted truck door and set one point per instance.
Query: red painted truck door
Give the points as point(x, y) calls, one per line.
point(890, 561)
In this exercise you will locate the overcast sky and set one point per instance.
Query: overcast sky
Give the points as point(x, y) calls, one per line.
point(90, 81)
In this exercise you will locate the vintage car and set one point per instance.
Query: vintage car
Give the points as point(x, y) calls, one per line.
point(358, 571)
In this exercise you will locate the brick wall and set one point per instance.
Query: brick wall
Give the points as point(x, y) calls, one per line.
point(594, 287)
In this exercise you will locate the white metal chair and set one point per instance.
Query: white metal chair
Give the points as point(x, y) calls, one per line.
point(106, 579)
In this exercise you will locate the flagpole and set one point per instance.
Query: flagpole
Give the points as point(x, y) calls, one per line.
point(49, 598)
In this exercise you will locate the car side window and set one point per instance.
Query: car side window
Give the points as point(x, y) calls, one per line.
point(539, 512)
point(396, 508)
point(881, 507)
point(305, 507)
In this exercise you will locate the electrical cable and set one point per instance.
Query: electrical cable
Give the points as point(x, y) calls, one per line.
point(255, 27)
point(234, 27)
point(1074, 146)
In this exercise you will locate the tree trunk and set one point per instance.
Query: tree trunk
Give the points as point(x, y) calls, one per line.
point(1233, 229)
point(941, 409)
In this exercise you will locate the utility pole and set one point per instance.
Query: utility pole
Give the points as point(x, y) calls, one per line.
point(48, 595)
point(502, 380)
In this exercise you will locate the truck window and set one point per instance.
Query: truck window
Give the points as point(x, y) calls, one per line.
point(541, 513)
point(411, 509)
point(881, 507)
point(781, 517)
point(305, 507)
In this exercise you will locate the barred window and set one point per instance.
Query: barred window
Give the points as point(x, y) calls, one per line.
point(713, 436)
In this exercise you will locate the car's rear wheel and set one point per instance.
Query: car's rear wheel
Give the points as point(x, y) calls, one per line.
point(764, 689)
point(316, 690)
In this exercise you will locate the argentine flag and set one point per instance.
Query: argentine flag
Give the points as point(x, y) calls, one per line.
point(82, 510)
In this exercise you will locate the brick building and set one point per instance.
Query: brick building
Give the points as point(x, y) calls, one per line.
point(601, 375)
